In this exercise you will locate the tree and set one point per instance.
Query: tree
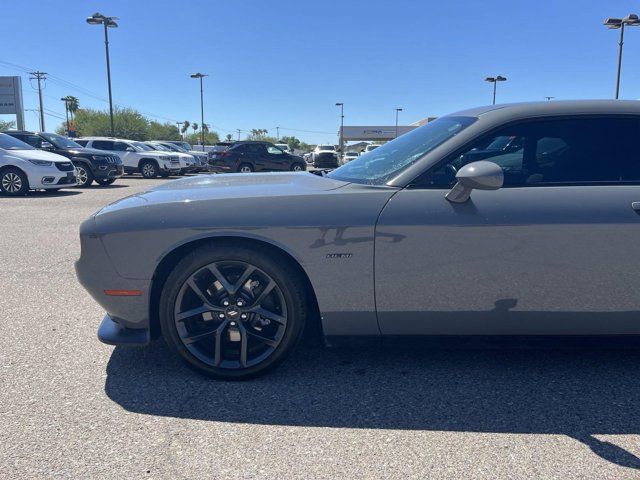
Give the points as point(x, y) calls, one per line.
point(210, 138)
point(7, 125)
point(194, 126)
point(163, 131)
point(128, 123)
point(73, 104)
point(228, 137)
point(185, 127)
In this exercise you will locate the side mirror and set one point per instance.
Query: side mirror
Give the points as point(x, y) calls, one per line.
point(482, 175)
point(46, 145)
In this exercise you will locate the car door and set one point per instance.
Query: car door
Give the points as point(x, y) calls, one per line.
point(552, 252)
point(276, 159)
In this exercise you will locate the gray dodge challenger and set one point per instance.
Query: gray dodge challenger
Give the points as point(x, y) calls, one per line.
point(515, 219)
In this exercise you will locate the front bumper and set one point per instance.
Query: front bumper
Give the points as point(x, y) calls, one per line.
point(171, 170)
point(108, 171)
point(45, 178)
point(112, 333)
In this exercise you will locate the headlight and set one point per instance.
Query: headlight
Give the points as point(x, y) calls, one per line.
point(99, 158)
point(42, 163)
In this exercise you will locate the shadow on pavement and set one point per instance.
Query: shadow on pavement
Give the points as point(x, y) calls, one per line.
point(580, 393)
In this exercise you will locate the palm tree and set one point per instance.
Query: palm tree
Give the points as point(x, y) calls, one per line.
point(194, 126)
point(73, 104)
point(205, 128)
point(185, 127)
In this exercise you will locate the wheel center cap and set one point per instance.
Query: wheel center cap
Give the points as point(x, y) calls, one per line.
point(232, 312)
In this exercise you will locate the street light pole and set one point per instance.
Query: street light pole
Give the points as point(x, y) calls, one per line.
point(340, 140)
point(107, 22)
point(201, 76)
point(495, 80)
point(39, 76)
point(397, 110)
point(619, 23)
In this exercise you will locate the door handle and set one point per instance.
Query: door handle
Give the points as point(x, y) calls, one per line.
point(636, 207)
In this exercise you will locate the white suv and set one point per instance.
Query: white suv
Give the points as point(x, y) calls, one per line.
point(187, 162)
point(135, 158)
point(24, 168)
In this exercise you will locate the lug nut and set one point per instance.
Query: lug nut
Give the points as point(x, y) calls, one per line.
point(225, 303)
point(240, 303)
point(243, 316)
point(221, 315)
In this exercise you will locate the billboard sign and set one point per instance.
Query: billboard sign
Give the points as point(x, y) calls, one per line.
point(11, 98)
point(374, 132)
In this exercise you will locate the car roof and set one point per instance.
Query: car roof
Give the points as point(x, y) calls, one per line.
point(556, 107)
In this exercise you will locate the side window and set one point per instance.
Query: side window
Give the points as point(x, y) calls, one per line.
point(553, 152)
point(120, 146)
point(274, 150)
point(102, 144)
point(33, 140)
point(82, 142)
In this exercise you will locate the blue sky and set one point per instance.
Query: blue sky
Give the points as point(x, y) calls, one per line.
point(286, 63)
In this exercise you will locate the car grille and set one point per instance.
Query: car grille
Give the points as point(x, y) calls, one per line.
point(174, 159)
point(113, 159)
point(64, 166)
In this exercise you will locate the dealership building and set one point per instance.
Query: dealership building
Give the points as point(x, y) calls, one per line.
point(375, 133)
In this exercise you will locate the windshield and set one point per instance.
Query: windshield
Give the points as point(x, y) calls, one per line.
point(59, 141)
point(372, 147)
point(157, 146)
point(141, 146)
point(327, 147)
point(9, 143)
point(173, 148)
point(379, 165)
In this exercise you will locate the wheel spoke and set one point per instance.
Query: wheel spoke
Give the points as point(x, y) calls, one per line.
point(221, 278)
point(243, 344)
point(264, 313)
point(196, 311)
point(198, 291)
point(243, 279)
point(218, 346)
point(263, 294)
point(198, 336)
point(260, 338)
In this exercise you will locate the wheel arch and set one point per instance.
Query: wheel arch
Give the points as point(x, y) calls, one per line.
point(148, 159)
point(3, 168)
point(172, 257)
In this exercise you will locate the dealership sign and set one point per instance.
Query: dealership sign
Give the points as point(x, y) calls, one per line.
point(374, 132)
point(11, 98)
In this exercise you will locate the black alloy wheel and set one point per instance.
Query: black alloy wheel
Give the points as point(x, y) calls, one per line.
point(232, 313)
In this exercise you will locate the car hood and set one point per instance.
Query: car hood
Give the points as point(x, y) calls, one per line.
point(258, 186)
point(37, 155)
point(88, 151)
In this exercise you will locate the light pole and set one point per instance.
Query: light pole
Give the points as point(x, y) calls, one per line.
point(341, 105)
point(66, 110)
point(495, 80)
point(107, 22)
point(619, 23)
point(397, 111)
point(201, 76)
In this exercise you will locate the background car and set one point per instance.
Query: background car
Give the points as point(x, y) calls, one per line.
point(248, 157)
point(91, 165)
point(284, 147)
point(348, 156)
point(202, 158)
point(324, 156)
point(370, 148)
point(24, 168)
point(187, 162)
point(136, 159)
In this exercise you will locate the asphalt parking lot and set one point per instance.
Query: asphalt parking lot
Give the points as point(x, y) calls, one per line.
point(73, 407)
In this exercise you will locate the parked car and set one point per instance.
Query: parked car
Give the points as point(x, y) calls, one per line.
point(370, 148)
point(431, 242)
point(284, 147)
point(184, 145)
point(324, 156)
point(187, 162)
point(202, 158)
point(248, 157)
point(217, 148)
point(348, 156)
point(24, 168)
point(91, 165)
point(135, 158)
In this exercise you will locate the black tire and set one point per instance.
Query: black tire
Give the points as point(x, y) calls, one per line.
point(245, 168)
point(297, 167)
point(84, 175)
point(149, 169)
point(13, 182)
point(103, 182)
point(51, 190)
point(179, 295)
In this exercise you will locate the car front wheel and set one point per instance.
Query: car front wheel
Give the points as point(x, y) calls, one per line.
point(149, 169)
point(105, 181)
point(232, 313)
point(13, 182)
point(245, 168)
point(297, 167)
point(84, 176)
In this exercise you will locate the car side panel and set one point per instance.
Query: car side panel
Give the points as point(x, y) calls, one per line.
point(333, 244)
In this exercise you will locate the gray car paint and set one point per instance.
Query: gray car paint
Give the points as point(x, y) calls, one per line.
point(517, 260)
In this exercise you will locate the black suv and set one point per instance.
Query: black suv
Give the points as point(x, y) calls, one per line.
point(248, 157)
point(90, 164)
